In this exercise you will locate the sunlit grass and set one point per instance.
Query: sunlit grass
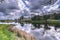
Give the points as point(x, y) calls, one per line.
point(5, 34)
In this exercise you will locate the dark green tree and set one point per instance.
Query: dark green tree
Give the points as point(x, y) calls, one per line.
point(45, 17)
point(36, 18)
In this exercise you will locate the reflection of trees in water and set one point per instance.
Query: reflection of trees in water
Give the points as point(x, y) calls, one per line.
point(56, 17)
point(57, 26)
point(36, 21)
point(22, 24)
point(39, 26)
point(36, 18)
point(36, 25)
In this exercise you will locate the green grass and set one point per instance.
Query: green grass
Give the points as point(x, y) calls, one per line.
point(5, 34)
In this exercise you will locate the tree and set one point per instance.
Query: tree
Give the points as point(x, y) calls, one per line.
point(36, 17)
point(38, 8)
point(56, 17)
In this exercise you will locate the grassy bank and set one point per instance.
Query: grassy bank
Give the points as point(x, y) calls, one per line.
point(5, 34)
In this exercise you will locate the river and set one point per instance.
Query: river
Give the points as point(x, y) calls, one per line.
point(40, 33)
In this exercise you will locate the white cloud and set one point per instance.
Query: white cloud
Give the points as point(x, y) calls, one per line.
point(21, 5)
point(53, 7)
point(15, 8)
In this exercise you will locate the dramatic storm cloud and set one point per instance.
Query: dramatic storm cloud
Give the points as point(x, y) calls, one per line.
point(10, 9)
point(8, 5)
point(16, 8)
point(53, 8)
point(47, 6)
point(38, 4)
point(13, 9)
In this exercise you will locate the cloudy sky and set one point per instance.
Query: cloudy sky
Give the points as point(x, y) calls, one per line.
point(12, 9)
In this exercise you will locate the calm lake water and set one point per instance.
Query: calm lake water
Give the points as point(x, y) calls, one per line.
point(39, 33)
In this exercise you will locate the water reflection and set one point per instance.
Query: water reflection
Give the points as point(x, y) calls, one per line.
point(40, 33)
